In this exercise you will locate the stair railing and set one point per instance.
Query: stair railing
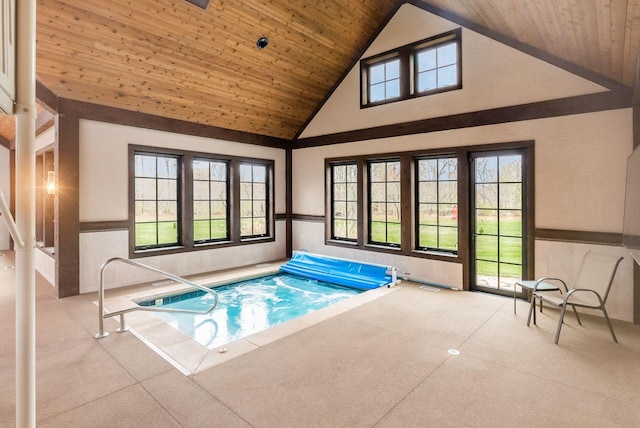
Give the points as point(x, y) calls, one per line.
point(102, 314)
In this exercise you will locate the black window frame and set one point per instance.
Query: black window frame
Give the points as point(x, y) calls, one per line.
point(386, 202)
point(185, 202)
point(409, 194)
point(268, 184)
point(417, 204)
point(332, 202)
point(407, 55)
point(227, 200)
point(178, 189)
point(437, 44)
point(384, 60)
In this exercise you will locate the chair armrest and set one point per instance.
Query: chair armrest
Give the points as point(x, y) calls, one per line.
point(547, 279)
point(575, 291)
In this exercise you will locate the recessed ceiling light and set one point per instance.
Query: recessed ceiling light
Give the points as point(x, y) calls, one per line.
point(262, 43)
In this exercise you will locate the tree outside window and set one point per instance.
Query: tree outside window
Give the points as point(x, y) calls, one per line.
point(384, 202)
point(156, 201)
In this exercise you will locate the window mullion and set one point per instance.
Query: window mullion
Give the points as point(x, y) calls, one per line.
point(157, 219)
point(253, 200)
point(185, 201)
point(362, 229)
point(406, 80)
point(235, 200)
point(406, 202)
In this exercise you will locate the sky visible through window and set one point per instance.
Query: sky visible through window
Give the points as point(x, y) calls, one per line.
point(437, 67)
point(384, 80)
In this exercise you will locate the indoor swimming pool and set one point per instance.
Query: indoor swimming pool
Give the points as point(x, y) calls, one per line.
point(248, 306)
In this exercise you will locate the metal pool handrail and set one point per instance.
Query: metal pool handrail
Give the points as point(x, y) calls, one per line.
point(102, 315)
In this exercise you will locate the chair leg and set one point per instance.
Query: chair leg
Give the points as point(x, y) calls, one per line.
point(575, 311)
point(532, 308)
point(540, 305)
point(560, 323)
point(606, 317)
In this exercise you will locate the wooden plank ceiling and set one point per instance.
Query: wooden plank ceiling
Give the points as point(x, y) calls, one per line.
point(172, 59)
point(599, 35)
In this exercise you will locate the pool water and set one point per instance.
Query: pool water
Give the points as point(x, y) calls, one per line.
point(250, 306)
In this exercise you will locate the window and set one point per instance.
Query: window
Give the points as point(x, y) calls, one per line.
point(426, 67)
point(344, 201)
point(187, 201)
point(210, 200)
point(157, 213)
point(253, 200)
point(384, 202)
point(471, 205)
point(384, 80)
point(437, 204)
point(436, 67)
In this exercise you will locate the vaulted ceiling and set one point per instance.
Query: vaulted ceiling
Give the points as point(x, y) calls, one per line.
point(172, 59)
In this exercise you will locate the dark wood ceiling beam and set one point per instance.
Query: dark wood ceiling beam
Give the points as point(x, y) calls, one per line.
point(198, 116)
point(118, 116)
point(46, 98)
point(538, 110)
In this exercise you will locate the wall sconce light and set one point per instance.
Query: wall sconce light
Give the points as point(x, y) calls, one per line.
point(51, 183)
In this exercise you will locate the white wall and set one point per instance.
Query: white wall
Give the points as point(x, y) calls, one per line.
point(580, 170)
point(45, 264)
point(46, 138)
point(104, 197)
point(4, 188)
point(104, 164)
point(580, 165)
point(493, 75)
point(580, 160)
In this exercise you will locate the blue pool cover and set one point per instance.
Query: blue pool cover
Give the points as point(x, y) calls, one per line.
point(349, 273)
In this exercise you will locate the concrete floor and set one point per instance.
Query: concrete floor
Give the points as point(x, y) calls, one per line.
point(384, 364)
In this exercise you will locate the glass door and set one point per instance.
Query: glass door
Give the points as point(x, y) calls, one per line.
point(497, 221)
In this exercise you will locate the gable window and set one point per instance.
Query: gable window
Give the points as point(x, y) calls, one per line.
point(423, 68)
point(157, 213)
point(344, 201)
point(253, 200)
point(384, 80)
point(436, 67)
point(210, 200)
point(437, 204)
point(384, 202)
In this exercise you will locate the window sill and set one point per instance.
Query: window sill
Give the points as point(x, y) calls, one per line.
point(393, 248)
point(200, 245)
point(155, 251)
point(257, 239)
point(342, 242)
point(437, 255)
